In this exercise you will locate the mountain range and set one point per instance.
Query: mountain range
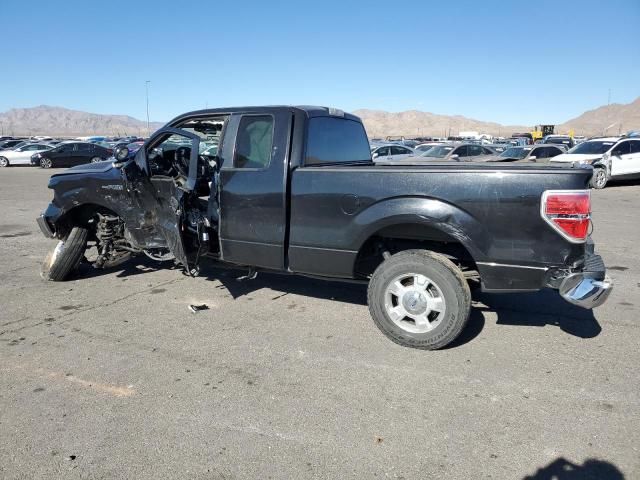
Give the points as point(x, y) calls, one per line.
point(617, 117)
point(48, 120)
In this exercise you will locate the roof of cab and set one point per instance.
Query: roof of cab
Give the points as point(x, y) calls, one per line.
point(309, 110)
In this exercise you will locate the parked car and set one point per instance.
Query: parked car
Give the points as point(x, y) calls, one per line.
point(531, 153)
point(612, 158)
point(559, 139)
point(462, 152)
point(70, 154)
point(22, 154)
point(391, 152)
point(294, 190)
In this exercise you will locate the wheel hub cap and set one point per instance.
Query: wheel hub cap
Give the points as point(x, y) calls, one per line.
point(414, 303)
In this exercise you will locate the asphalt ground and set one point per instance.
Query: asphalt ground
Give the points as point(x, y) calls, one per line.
point(111, 376)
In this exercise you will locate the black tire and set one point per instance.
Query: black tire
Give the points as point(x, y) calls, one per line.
point(66, 256)
point(452, 289)
point(599, 178)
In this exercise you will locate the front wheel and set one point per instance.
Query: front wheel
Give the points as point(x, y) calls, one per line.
point(96, 160)
point(46, 163)
point(66, 256)
point(419, 299)
point(599, 178)
point(4, 162)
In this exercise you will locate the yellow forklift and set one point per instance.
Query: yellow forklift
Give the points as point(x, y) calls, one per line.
point(541, 131)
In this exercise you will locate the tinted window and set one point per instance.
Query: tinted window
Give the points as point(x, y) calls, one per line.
point(487, 151)
point(64, 148)
point(84, 147)
point(333, 140)
point(254, 142)
point(474, 150)
point(399, 151)
point(540, 152)
point(622, 148)
point(383, 151)
point(635, 146)
point(461, 151)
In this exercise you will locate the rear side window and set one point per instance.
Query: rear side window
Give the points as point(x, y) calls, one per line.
point(635, 146)
point(622, 148)
point(399, 151)
point(254, 142)
point(335, 140)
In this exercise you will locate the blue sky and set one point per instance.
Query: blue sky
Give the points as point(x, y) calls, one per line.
point(510, 62)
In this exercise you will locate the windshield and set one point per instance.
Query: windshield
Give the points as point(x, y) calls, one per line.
point(437, 152)
point(515, 152)
point(593, 147)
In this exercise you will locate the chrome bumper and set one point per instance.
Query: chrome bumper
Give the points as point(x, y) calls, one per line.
point(584, 291)
point(47, 231)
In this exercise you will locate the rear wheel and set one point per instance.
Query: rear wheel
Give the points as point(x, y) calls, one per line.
point(419, 299)
point(66, 256)
point(4, 162)
point(46, 162)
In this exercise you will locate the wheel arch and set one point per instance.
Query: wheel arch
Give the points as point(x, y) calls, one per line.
point(418, 222)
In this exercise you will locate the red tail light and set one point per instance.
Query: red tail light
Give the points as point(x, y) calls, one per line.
point(568, 212)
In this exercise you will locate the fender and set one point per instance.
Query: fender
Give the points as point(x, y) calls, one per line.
point(443, 216)
point(97, 184)
point(102, 186)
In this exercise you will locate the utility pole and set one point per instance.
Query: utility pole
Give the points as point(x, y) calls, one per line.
point(146, 84)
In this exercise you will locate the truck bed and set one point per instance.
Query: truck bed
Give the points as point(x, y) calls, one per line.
point(490, 209)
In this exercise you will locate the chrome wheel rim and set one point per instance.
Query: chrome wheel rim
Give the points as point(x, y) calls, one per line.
point(3, 162)
point(96, 160)
point(601, 178)
point(415, 303)
point(45, 163)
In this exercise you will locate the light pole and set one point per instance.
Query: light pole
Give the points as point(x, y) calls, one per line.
point(605, 130)
point(146, 84)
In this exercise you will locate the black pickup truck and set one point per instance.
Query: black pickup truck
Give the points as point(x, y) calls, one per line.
point(294, 190)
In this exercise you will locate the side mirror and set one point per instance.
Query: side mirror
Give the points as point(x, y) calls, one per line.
point(455, 156)
point(375, 155)
point(121, 154)
point(533, 157)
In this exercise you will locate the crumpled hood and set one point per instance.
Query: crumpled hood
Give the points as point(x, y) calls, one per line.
point(99, 167)
point(575, 157)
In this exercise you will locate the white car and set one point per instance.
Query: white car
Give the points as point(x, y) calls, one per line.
point(21, 155)
point(391, 152)
point(612, 158)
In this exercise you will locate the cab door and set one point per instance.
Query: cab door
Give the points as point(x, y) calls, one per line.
point(160, 192)
point(634, 157)
point(253, 189)
point(621, 159)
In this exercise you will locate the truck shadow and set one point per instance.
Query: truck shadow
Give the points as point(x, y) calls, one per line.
point(562, 469)
point(538, 309)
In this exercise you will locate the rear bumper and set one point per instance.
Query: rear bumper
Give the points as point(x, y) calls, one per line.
point(584, 290)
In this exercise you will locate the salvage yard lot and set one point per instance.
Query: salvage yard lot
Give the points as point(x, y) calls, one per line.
point(112, 376)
